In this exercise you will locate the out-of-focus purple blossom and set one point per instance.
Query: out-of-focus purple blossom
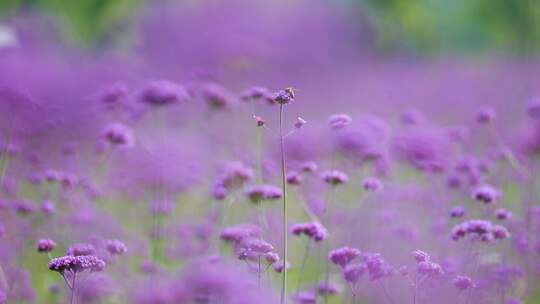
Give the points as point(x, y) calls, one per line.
point(114, 95)
point(485, 115)
point(280, 265)
point(24, 207)
point(81, 249)
point(257, 93)
point(343, 256)
point(259, 120)
point(412, 117)
point(309, 166)
point(235, 174)
point(116, 247)
point(238, 233)
point(329, 288)
point(463, 282)
point(334, 177)
point(305, 297)
point(429, 268)
point(353, 272)
point(457, 212)
point(313, 230)
point(120, 135)
point(258, 193)
point(294, 178)
point(426, 150)
point(372, 184)
point(377, 267)
point(533, 108)
point(46, 245)
point(421, 256)
point(163, 92)
point(503, 214)
point(48, 207)
point(479, 230)
point(216, 96)
point(485, 194)
point(300, 122)
point(339, 121)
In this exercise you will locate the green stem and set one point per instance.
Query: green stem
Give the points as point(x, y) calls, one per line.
point(284, 185)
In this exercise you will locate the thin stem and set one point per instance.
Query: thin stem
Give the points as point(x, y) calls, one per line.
point(284, 185)
point(415, 287)
point(259, 273)
point(73, 287)
point(304, 260)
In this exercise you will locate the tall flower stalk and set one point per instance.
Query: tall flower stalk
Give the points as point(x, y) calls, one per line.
point(283, 97)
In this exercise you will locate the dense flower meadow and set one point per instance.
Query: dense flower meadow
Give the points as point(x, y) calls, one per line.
point(139, 178)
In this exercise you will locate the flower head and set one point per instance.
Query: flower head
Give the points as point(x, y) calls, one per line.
point(343, 256)
point(46, 245)
point(339, 121)
point(163, 92)
point(116, 247)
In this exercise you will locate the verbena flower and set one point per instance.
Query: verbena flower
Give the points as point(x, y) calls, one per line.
point(76, 263)
point(46, 245)
point(334, 177)
point(313, 230)
point(343, 256)
point(163, 92)
point(116, 247)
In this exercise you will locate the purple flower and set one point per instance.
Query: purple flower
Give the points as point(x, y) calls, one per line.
point(280, 265)
point(46, 245)
point(353, 272)
point(294, 178)
point(81, 249)
point(305, 297)
point(116, 247)
point(300, 122)
point(236, 234)
point(216, 96)
point(421, 256)
point(114, 95)
point(235, 174)
point(76, 263)
point(163, 92)
point(118, 134)
point(372, 184)
point(429, 268)
point(503, 214)
point(377, 266)
point(285, 96)
point(256, 93)
point(309, 166)
point(485, 115)
point(313, 230)
point(335, 177)
point(457, 212)
point(258, 193)
point(343, 256)
point(259, 120)
point(329, 288)
point(486, 194)
point(47, 207)
point(339, 121)
point(463, 282)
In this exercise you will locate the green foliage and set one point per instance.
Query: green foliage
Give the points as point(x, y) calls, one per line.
point(87, 22)
point(428, 26)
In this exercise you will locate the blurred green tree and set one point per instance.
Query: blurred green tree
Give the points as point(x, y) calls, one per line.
point(88, 22)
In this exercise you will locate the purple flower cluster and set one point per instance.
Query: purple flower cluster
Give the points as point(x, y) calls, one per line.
point(313, 230)
point(76, 264)
point(481, 230)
